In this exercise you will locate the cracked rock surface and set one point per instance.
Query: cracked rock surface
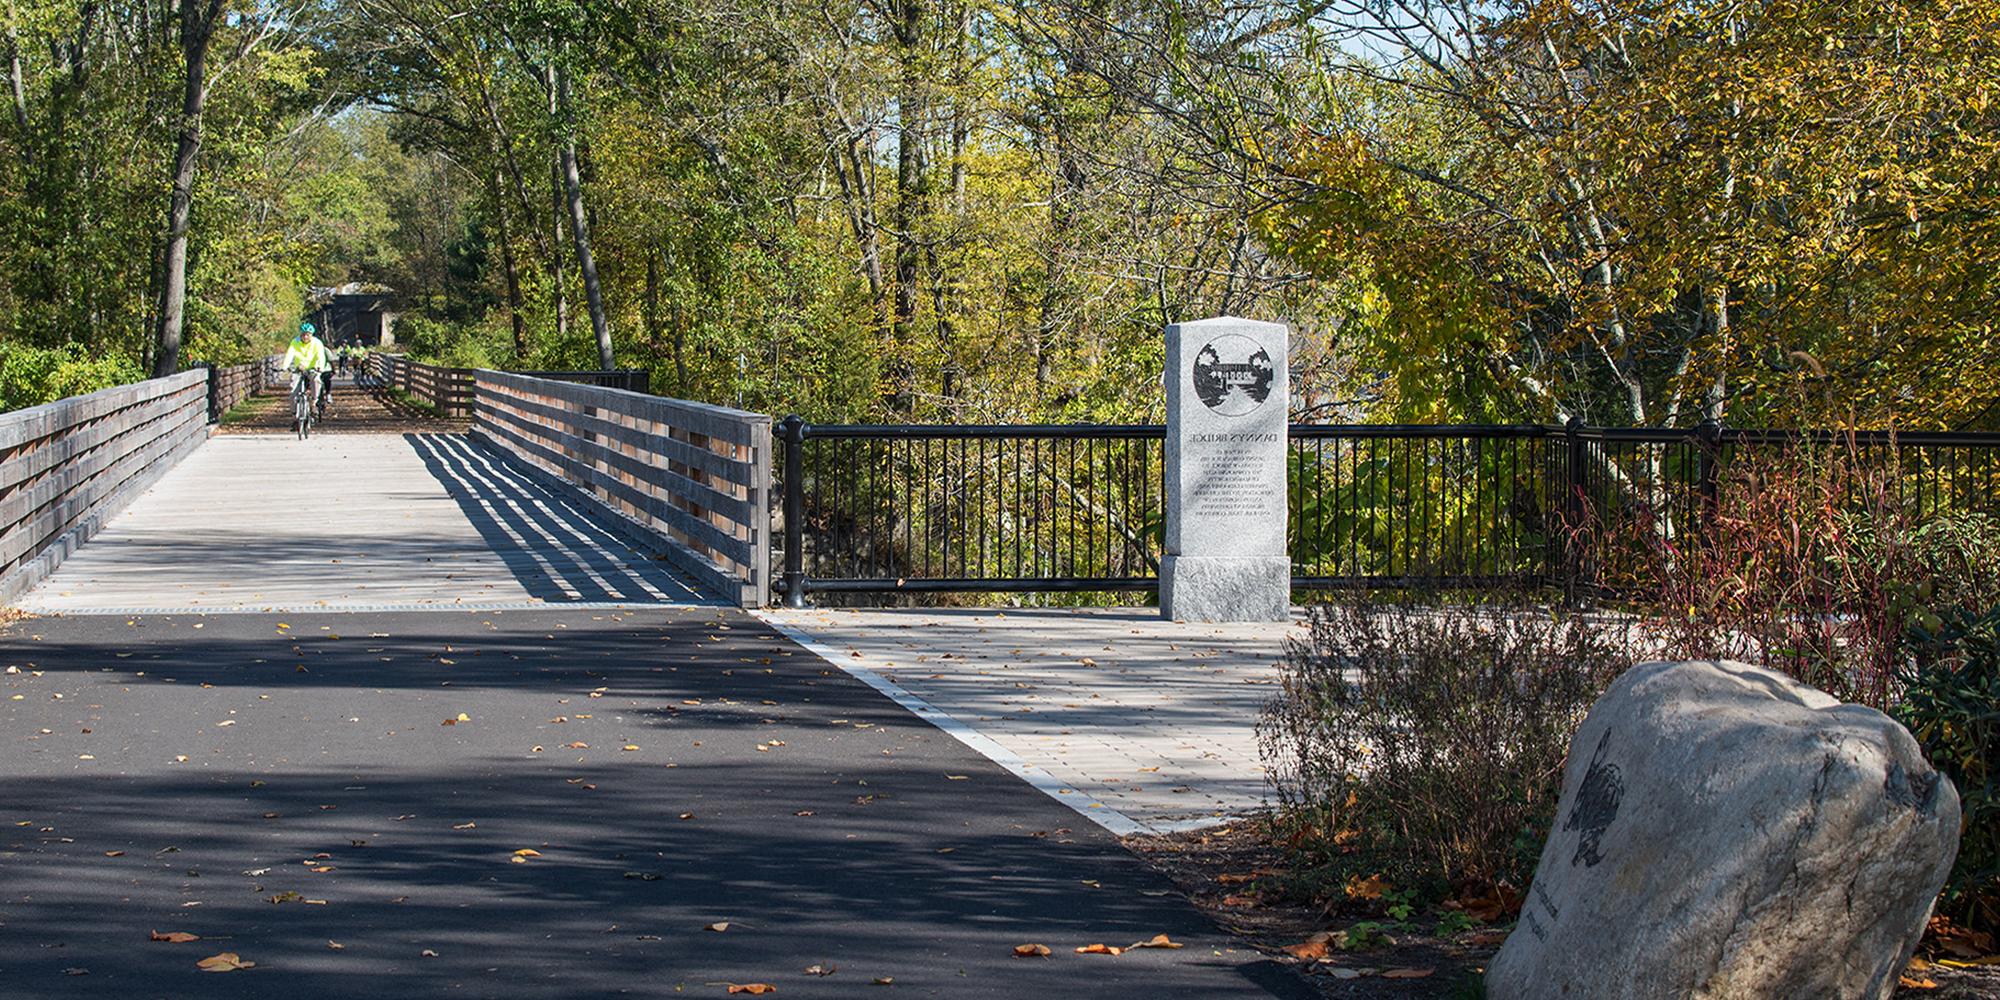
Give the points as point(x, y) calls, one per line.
point(1727, 832)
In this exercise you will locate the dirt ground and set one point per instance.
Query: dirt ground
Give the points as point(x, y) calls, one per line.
point(1229, 873)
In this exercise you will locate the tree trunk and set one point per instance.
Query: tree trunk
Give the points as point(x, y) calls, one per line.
point(513, 270)
point(912, 187)
point(557, 273)
point(556, 228)
point(197, 28)
point(579, 227)
point(1715, 316)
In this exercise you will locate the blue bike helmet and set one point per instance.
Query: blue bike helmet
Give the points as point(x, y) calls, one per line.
point(308, 328)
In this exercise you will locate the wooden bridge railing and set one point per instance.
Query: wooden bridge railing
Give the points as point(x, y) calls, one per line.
point(693, 477)
point(232, 384)
point(66, 467)
point(448, 389)
point(451, 391)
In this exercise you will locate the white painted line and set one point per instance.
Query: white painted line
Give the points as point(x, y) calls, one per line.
point(1085, 805)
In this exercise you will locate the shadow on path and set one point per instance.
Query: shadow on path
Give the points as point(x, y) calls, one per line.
point(554, 542)
point(672, 768)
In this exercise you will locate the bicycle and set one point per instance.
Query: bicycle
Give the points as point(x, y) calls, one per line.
point(325, 395)
point(305, 395)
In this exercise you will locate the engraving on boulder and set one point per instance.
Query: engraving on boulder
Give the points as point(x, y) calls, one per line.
point(1596, 805)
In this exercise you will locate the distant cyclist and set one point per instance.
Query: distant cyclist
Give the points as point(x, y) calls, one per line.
point(307, 353)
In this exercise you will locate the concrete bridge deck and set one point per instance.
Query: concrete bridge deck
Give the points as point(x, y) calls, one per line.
point(353, 522)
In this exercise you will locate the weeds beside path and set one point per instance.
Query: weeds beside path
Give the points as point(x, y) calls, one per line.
point(1234, 874)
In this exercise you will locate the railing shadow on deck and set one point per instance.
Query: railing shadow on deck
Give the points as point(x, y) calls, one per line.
point(553, 543)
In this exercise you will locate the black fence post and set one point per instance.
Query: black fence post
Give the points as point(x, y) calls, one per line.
point(1574, 512)
point(793, 430)
point(1709, 433)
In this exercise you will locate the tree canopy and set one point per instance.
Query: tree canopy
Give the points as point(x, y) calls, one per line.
point(1633, 211)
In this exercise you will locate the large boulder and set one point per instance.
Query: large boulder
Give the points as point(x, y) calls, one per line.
point(1727, 832)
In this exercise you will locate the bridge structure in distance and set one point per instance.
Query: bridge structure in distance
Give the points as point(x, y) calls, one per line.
point(512, 490)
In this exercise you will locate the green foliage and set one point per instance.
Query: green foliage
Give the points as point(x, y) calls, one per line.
point(456, 345)
point(1952, 705)
point(30, 376)
point(1640, 212)
point(1453, 922)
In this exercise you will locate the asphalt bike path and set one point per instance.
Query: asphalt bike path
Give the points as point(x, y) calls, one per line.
point(535, 803)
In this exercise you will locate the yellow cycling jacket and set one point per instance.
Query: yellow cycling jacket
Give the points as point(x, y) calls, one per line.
point(306, 355)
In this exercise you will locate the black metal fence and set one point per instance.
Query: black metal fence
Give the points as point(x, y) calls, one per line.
point(903, 508)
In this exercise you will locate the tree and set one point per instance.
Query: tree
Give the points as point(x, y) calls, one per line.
point(198, 22)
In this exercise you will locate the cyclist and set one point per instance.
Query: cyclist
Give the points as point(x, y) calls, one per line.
point(307, 353)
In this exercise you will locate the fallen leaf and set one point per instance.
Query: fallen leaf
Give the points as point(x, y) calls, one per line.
point(754, 989)
point(821, 970)
point(1312, 948)
point(630, 747)
point(463, 826)
point(1371, 887)
point(1156, 941)
point(449, 722)
point(114, 854)
point(225, 962)
point(174, 937)
point(884, 980)
point(718, 927)
point(1487, 939)
point(578, 745)
point(1229, 879)
point(1916, 983)
point(1099, 949)
point(527, 852)
point(427, 953)
point(1239, 901)
point(1502, 902)
point(1407, 973)
point(335, 945)
point(1030, 950)
point(462, 717)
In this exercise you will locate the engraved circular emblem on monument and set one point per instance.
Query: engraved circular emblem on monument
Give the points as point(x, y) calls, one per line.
point(1233, 375)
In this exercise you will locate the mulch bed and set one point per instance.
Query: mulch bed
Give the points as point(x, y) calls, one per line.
point(1211, 866)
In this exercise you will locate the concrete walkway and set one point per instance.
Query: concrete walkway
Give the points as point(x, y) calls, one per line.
point(352, 522)
point(1142, 725)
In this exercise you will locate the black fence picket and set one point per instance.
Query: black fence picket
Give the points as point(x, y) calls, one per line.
point(885, 508)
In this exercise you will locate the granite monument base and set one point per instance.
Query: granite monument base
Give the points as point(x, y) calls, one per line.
point(1226, 588)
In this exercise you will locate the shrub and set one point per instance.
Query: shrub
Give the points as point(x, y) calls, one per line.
point(31, 376)
point(1812, 561)
point(1425, 742)
point(1952, 705)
